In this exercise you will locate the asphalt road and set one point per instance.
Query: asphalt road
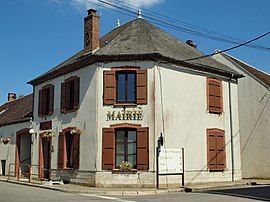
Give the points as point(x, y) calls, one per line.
point(21, 193)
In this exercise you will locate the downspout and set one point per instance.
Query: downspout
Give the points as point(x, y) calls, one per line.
point(231, 128)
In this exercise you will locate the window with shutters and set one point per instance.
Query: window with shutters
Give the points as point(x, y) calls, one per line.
point(125, 86)
point(216, 156)
point(214, 96)
point(126, 147)
point(125, 144)
point(70, 94)
point(69, 151)
point(46, 100)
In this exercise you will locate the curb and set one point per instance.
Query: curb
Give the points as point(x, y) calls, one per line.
point(135, 192)
point(99, 192)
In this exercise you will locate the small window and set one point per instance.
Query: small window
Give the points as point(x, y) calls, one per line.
point(126, 149)
point(70, 92)
point(126, 87)
point(214, 96)
point(46, 100)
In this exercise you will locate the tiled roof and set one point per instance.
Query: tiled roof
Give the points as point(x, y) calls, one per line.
point(139, 38)
point(260, 75)
point(19, 110)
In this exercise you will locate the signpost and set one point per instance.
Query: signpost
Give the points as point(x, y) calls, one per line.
point(170, 162)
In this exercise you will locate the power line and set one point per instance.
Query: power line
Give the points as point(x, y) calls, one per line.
point(178, 28)
point(171, 19)
point(228, 49)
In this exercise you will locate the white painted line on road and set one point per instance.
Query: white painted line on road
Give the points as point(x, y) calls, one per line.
point(106, 197)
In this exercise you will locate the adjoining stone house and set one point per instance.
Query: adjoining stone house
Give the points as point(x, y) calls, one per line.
point(111, 101)
point(254, 117)
point(15, 142)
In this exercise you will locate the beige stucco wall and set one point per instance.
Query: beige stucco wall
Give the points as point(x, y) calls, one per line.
point(184, 114)
point(254, 115)
point(7, 152)
point(84, 118)
point(185, 120)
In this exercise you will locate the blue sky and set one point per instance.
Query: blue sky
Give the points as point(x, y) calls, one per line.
point(36, 35)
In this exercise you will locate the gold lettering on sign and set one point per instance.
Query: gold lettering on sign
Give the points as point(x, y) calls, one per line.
point(125, 115)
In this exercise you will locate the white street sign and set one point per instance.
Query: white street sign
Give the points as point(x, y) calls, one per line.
point(170, 161)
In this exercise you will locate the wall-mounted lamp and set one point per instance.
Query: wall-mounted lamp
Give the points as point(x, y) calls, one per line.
point(160, 140)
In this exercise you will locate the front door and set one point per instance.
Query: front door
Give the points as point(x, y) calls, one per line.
point(45, 158)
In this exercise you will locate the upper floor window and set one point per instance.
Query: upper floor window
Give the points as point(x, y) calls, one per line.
point(214, 96)
point(125, 85)
point(70, 94)
point(46, 100)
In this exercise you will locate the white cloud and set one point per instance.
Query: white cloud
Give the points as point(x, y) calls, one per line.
point(81, 4)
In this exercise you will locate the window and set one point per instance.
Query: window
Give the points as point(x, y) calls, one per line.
point(125, 147)
point(125, 144)
point(124, 86)
point(214, 96)
point(46, 100)
point(70, 93)
point(69, 150)
point(216, 156)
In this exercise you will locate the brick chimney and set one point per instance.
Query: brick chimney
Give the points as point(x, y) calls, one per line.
point(91, 31)
point(11, 97)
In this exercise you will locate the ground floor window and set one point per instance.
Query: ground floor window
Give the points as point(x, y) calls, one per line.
point(125, 144)
point(126, 147)
point(216, 155)
point(69, 150)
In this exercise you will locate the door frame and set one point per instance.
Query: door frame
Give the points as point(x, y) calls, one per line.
point(41, 161)
point(19, 134)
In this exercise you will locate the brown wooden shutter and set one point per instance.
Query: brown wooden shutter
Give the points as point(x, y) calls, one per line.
point(61, 150)
point(108, 149)
point(51, 104)
point(40, 160)
point(214, 96)
point(17, 154)
point(211, 147)
point(63, 97)
point(40, 107)
point(76, 93)
point(216, 156)
point(218, 96)
point(221, 155)
point(142, 86)
point(142, 149)
point(109, 87)
point(76, 153)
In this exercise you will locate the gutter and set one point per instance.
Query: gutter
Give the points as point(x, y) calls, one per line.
point(90, 59)
point(231, 129)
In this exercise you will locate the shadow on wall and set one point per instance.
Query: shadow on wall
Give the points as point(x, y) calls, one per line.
point(205, 167)
point(257, 123)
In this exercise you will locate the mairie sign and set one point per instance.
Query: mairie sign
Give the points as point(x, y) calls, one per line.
point(125, 115)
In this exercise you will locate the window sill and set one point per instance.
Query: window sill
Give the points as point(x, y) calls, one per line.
point(125, 104)
point(69, 111)
point(118, 171)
